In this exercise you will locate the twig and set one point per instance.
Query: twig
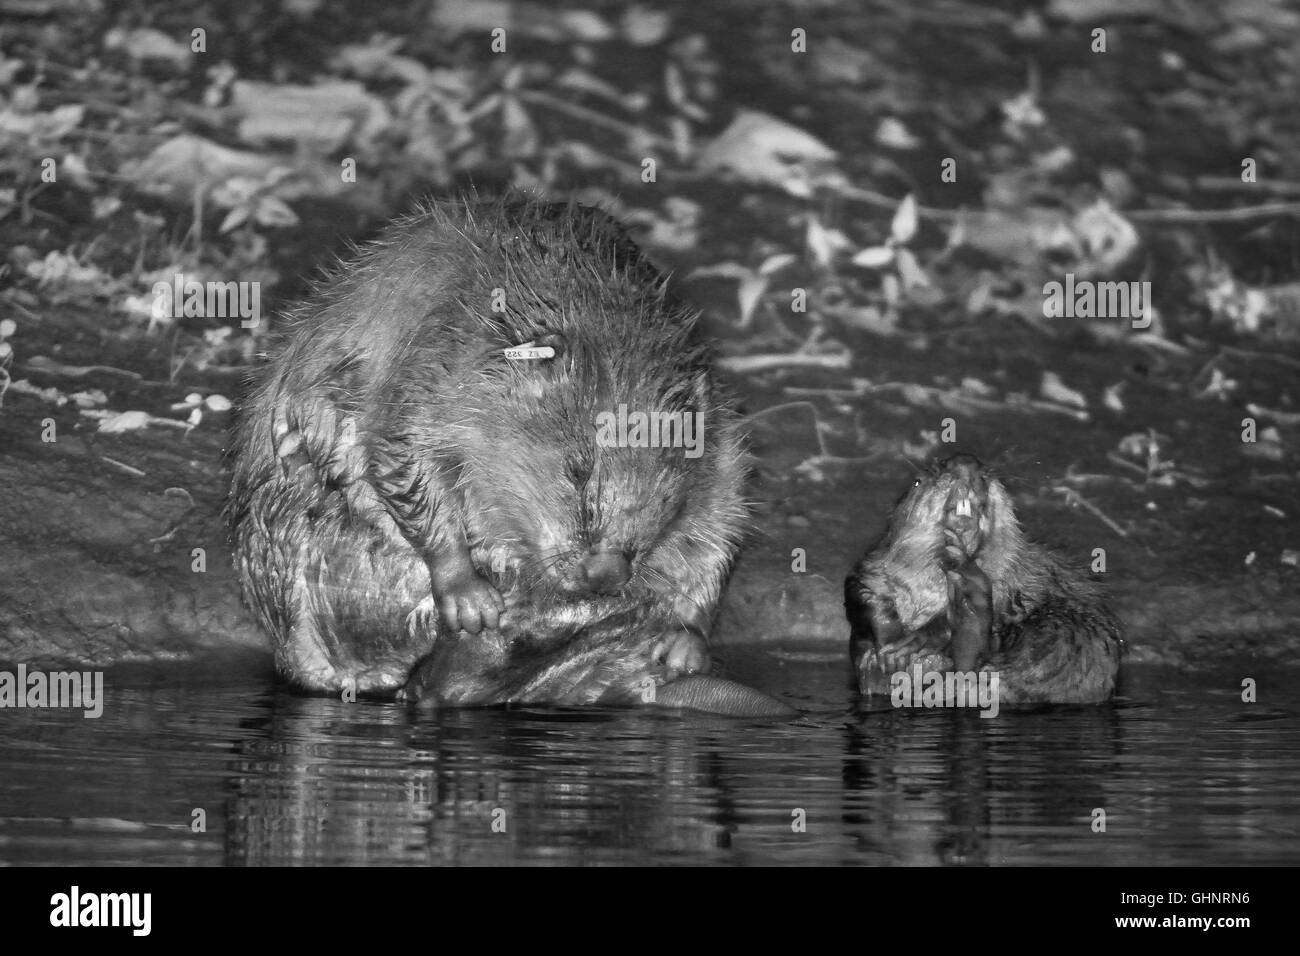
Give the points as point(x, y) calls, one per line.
point(784, 406)
point(1226, 351)
point(838, 460)
point(1287, 419)
point(826, 392)
point(1251, 354)
point(748, 364)
point(1152, 216)
point(1157, 342)
point(1239, 214)
point(816, 415)
point(872, 198)
point(1078, 414)
point(1072, 497)
point(1115, 459)
point(592, 117)
point(48, 366)
point(129, 469)
point(1280, 187)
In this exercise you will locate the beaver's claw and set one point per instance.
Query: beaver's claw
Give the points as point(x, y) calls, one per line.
point(423, 618)
point(896, 655)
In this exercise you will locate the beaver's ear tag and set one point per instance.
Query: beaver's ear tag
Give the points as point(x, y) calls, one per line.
point(548, 346)
point(963, 508)
point(530, 351)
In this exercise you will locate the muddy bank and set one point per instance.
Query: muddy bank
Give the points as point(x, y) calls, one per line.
point(111, 546)
point(112, 549)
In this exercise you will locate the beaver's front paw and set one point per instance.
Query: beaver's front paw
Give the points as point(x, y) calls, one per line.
point(466, 601)
point(886, 626)
point(681, 653)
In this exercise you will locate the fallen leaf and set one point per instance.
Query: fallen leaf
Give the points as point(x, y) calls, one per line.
point(119, 422)
point(903, 226)
point(824, 243)
point(893, 134)
point(750, 293)
point(874, 257)
point(644, 26)
point(323, 117)
point(910, 271)
point(378, 59)
point(146, 43)
point(776, 263)
point(185, 164)
point(757, 147)
point(1053, 389)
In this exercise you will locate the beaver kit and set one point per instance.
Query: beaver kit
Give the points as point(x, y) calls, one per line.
point(429, 471)
point(955, 586)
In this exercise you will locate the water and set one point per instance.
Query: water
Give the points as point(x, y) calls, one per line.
point(1186, 774)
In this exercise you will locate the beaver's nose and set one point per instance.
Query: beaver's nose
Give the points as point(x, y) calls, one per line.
point(962, 467)
point(603, 571)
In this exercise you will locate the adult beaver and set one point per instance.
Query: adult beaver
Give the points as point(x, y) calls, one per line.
point(494, 425)
point(955, 586)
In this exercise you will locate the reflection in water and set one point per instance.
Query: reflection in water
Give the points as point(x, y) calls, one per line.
point(930, 788)
point(494, 787)
point(1183, 770)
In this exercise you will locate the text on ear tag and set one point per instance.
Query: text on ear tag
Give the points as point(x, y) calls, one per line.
point(529, 351)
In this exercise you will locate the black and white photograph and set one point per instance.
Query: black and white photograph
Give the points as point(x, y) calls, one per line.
point(687, 433)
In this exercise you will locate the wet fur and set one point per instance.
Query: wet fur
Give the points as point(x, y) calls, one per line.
point(390, 427)
point(1053, 638)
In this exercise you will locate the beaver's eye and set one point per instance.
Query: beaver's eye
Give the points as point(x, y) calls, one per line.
point(917, 483)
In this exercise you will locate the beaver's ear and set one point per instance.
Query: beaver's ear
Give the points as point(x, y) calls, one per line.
point(555, 341)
